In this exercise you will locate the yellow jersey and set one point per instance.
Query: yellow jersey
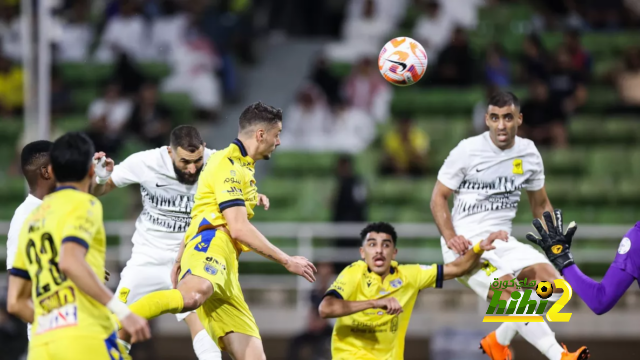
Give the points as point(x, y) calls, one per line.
point(396, 146)
point(61, 309)
point(373, 334)
point(227, 180)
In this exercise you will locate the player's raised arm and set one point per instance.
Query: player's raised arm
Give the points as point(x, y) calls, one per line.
point(243, 231)
point(599, 296)
point(464, 264)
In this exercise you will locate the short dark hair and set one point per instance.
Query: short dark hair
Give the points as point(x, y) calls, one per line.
point(504, 98)
point(379, 227)
point(34, 155)
point(186, 137)
point(259, 113)
point(71, 157)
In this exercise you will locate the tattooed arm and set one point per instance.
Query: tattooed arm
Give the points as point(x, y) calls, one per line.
point(247, 234)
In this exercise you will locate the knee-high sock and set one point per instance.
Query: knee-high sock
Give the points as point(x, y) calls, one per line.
point(539, 334)
point(205, 348)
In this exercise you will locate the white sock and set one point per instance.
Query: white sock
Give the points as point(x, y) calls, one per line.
point(539, 334)
point(125, 345)
point(505, 333)
point(205, 348)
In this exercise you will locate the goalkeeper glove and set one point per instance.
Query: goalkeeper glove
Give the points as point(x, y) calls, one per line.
point(555, 244)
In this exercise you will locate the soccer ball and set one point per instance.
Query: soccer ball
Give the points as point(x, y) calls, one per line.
point(544, 289)
point(402, 61)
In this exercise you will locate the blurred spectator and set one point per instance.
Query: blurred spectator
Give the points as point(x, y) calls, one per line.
point(534, 61)
point(497, 68)
point(627, 81)
point(108, 118)
point(604, 14)
point(363, 35)
point(480, 110)
point(60, 95)
point(580, 58)
point(543, 120)
point(124, 33)
point(150, 120)
point(322, 76)
point(308, 121)
point(464, 12)
point(433, 28)
point(557, 15)
point(11, 31)
point(405, 150)
point(352, 130)
point(566, 85)
point(194, 62)
point(128, 76)
point(315, 342)
point(350, 198)
point(455, 65)
point(349, 203)
point(394, 11)
point(11, 88)
point(77, 32)
point(366, 90)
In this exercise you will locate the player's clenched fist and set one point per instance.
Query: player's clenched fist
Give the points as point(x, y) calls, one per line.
point(390, 305)
point(299, 265)
point(137, 326)
point(459, 244)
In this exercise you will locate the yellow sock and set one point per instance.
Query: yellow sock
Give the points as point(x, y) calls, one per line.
point(158, 303)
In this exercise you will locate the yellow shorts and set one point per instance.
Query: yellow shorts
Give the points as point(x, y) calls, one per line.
point(77, 348)
point(212, 255)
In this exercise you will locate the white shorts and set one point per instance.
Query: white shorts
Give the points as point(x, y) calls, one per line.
point(508, 258)
point(141, 277)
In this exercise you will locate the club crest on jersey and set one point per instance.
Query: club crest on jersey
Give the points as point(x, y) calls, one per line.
point(210, 269)
point(396, 283)
point(517, 166)
point(124, 294)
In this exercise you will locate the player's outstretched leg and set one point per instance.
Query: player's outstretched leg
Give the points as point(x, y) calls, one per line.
point(204, 347)
point(244, 347)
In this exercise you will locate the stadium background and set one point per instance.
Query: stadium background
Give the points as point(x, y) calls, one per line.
point(96, 66)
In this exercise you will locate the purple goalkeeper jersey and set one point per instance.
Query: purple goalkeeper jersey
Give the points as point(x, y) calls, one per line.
point(625, 269)
point(628, 256)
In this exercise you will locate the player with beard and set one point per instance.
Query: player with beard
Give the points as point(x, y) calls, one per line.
point(207, 278)
point(487, 174)
point(168, 182)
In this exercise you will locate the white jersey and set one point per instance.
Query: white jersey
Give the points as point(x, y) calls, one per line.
point(488, 183)
point(167, 203)
point(21, 214)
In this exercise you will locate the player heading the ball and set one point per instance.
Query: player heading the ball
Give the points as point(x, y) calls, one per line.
point(219, 232)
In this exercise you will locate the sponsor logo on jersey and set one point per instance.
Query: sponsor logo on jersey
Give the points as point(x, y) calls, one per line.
point(62, 317)
point(232, 180)
point(517, 167)
point(425, 267)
